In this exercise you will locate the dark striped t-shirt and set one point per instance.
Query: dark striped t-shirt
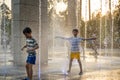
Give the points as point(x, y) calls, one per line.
point(31, 43)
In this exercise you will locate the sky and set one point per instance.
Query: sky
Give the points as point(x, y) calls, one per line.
point(95, 5)
point(8, 2)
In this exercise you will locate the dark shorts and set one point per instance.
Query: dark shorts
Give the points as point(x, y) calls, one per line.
point(31, 59)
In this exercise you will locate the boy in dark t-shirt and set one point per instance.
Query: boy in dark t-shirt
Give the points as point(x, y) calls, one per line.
point(31, 46)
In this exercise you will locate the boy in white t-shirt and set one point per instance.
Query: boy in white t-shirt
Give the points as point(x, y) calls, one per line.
point(75, 52)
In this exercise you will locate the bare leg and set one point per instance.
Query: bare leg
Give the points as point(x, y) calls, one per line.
point(27, 69)
point(80, 65)
point(95, 50)
point(70, 65)
point(30, 71)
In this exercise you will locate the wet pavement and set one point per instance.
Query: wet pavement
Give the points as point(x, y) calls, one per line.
point(104, 68)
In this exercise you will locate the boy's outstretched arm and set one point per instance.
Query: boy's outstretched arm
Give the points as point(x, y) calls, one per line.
point(89, 39)
point(61, 37)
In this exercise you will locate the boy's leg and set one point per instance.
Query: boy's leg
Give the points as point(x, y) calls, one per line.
point(95, 50)
point(70, 65)
point(27, 69)
point(30, 71)
point(80, 65)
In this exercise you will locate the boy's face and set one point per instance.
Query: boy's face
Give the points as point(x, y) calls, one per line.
point(27, 35)
point(75, 33)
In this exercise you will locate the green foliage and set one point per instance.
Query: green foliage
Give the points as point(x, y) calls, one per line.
point(5, 20)
point(93, 26)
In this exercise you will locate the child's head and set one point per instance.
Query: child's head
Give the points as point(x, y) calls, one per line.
point(75, 32)
point(27, 32)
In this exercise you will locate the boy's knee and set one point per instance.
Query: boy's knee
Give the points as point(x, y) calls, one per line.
point(26, 65)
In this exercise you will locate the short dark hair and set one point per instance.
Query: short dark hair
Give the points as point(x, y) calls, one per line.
point(76, 30)
point(27, 30)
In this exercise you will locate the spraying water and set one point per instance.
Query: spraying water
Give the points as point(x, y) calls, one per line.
point(4, 39)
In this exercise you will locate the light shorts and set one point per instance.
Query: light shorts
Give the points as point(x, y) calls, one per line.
point(75, 55)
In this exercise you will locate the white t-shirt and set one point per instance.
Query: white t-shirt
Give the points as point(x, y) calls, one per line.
point(74, 43)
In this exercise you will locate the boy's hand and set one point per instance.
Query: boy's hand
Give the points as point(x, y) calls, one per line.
point(32, 49)
point(94, 38)
point(22, 49)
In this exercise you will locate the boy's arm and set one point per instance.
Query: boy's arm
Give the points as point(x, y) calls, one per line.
point(33, 49)
point(36, 47)
point(89, 39)
point(24, 47)
point(62, 37)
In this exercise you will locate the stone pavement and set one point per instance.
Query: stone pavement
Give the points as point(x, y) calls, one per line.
point(101, 70)
point(104, 68)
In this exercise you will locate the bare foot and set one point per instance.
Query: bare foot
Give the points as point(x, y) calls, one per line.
point(80, 73)
point(68, 71)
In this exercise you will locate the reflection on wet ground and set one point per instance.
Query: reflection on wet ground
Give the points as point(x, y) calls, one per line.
point(104, 68)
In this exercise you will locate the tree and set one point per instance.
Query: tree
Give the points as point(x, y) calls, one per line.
point(116, 15)
point(5, 21)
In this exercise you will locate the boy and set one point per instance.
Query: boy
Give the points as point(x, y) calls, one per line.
point(75, 53)
point(31, 46)
point(94, 45)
